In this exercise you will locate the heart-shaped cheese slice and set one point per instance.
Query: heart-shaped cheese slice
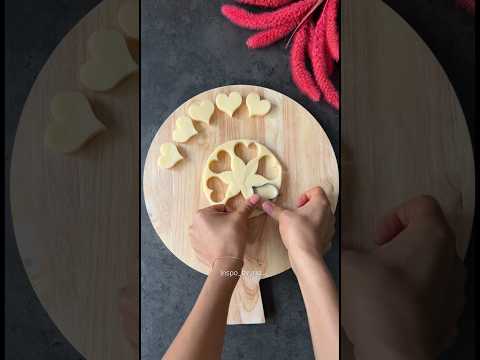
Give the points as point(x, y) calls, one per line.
point(202, 111)
point(128, 18)
point(73, 122)
point(257, 107)
point(228, 104)
point(111, 61)
point(169, 156)
point(184, 129)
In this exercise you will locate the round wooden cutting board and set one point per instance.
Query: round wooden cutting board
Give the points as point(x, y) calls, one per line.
point(404, 133)
point(403, 129)
point(76, 216)
point(173, 196)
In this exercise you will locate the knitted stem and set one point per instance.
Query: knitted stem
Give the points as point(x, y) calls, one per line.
point(331, 8)
point(268, 37)
point(300, 74)
point(265, 3)
point(320, 65)
point(286, 15)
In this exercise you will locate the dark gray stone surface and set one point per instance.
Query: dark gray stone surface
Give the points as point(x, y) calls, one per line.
point(187, 48)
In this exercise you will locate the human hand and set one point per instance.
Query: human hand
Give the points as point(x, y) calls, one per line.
point(307, 230)
point(403, 299)
point(218, 232)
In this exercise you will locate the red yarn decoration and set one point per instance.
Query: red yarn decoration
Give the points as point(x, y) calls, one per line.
point(268, 37)
point(300, 74)
point(315, 44)
point(289, 14)
point(331, 9)
point(265, 3)
point(319, 58)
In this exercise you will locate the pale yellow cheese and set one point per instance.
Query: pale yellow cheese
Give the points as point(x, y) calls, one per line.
point(257, 107)
point(73, 122)
point(169, 156)
point(111, 61)
point(184, 129)
point(228, 104)
point(201, 111)
point(267, 191)
point(242, 177)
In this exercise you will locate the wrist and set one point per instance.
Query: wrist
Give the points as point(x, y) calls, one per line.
point(226, 267)
point(307, 246)
point(302, 259)
point(310, 269)
point(230, 251)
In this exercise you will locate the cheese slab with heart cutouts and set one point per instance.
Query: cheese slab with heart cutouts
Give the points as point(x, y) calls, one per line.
point(73, 122)
point(241, 177)
point(184, 129)
point(228, 104)
point(257, 107)
point(128, 18)
point(201, 111)
point(169, 156)
point(111, 61)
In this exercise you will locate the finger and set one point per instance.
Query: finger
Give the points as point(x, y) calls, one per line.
point(389, 227)
point(310, 194)
point(247, 206)
point(272, 209)
point(396, 221)
point(302, 200)
point(316, 192)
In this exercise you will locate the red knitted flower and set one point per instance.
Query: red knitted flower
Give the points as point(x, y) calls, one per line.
point(314, 43)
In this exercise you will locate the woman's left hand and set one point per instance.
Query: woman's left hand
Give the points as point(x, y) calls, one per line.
point(217, 232)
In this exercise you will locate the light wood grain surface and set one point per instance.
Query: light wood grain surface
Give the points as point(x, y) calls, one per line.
point(403, 130)
point(173, 196)
point(76, 216)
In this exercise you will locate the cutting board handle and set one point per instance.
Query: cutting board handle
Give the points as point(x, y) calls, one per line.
point(246, 305)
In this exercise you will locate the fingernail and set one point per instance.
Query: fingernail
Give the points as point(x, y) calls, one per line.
point(267, 207)
point(253, 200)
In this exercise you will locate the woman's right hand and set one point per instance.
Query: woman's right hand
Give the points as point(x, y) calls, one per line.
point(408, 290)
point(308, 229)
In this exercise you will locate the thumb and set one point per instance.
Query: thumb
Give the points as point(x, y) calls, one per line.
point(247, 206)
point(272, 209)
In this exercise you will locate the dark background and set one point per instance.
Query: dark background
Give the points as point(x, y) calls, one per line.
point(34, 28)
